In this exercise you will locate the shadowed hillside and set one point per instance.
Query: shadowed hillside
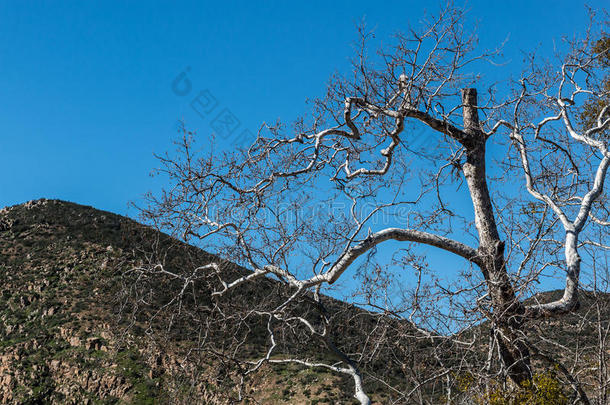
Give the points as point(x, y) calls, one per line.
point(71, 334)
point(78, 325)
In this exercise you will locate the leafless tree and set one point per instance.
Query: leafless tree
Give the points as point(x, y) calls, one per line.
point(359, 188)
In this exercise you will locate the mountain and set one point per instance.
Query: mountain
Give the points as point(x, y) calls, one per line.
point(62, 340)
point(70, 332)
point(83, 322)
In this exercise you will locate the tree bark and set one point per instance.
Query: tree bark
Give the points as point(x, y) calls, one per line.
point(507, 310)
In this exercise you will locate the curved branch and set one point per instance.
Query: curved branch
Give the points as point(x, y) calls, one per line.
point(441, 126)
point(403, 235)
point(351, 254)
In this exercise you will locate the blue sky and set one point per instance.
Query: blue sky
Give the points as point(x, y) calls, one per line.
point(86, 87)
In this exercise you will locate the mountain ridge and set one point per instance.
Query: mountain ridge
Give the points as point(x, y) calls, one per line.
point(63, 335)
point(69, 331)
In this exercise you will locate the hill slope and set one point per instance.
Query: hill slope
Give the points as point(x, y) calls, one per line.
point(75, 326)
point(60, 340)
point(69, 332)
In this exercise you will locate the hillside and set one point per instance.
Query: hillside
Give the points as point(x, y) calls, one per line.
point(70, 334)
point(78, 325)
point(62, 337)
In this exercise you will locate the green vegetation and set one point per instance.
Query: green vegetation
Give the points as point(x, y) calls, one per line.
point(545, 389)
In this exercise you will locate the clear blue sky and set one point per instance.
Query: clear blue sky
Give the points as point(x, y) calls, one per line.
point(85, 87)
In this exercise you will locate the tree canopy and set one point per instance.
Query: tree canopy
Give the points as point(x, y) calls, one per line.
point(380, 167)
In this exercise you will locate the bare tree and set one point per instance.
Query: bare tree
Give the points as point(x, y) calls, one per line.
point(374, 174)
